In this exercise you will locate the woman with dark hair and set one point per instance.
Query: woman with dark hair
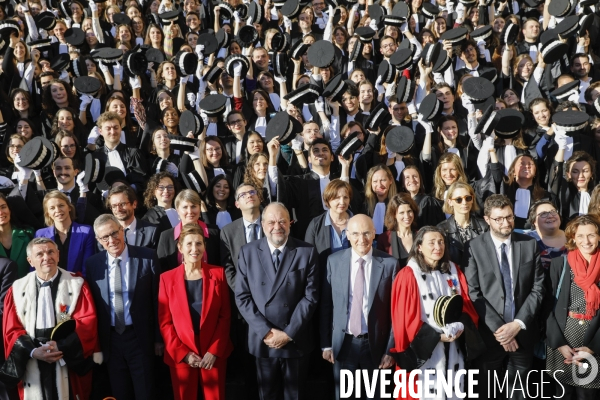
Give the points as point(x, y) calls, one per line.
point(66, 120)
point(23, 108)
point(401, 224)
point(160, 192)
point(572, 182)
point(161, 157)
point(58, 94)
point(170, 120)
point(462, 225)
point(541, 110)
point(430, 274)
point(26, 127)
point(266, 82)
point(573, 300)
point(13, 237)
point(263, 107)
point(220, 202)
point(545, 221)
point(69, 145)
point(430, 210)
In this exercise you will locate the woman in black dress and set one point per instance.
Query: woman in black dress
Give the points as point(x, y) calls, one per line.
point(401, 224)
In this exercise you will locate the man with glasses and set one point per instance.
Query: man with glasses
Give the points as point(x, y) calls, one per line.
point(276, 291)
point(507, 292)
point(122, 201)
point(356, 318)
point(124, 283)
point(387, 47)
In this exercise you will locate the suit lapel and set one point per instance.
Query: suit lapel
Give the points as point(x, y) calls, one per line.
point(265, 260)
point(74, 247)
point(180, 296)
point(376, 273)
point(516, 257)
point(103, 284)
point(491, 252)
point(287, 259)
point(139, 236)
point(208, 288)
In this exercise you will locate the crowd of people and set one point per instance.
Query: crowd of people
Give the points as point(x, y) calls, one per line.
point(270, 192)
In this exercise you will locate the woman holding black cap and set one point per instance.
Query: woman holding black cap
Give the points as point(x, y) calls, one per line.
point(263, 108)
point(162, 158)
point(16, 65)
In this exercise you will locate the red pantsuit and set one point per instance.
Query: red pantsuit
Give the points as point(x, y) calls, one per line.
point(178, 333)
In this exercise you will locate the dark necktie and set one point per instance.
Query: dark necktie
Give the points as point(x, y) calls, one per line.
point(276, 259)
point(119, 308)
point(47, 283)
point(508, 295)
point(252, 236)
point(126, 232)
point(358, 291)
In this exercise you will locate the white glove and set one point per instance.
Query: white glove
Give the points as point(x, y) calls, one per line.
point(451, 330)
point(24, 173)
point(450, 7)
point(68, 22)
point(460, 12)
point(237, 68)
point(561, 141)
point(194, 155)
point(200, 51)
point(287, 23)
point(135, 82)
point(425, 124)
point(379, 86)
point(24, 7)
point(412, 109)
point(280, 79)
point(331, 11)
point(103, 67)
point(93, 6)
point(390, 91)
point(320, 105)
point(404, 27)
point(373, 25)
point(83, 187)
point(467, 103)
point(183, 80)
point(191, 97)
point(37, 173)
point(190, 78)
point(297, 143)
point(274, 15)
point(489, 142)
point(118, 69)
point(236, 17)
point(172, 169)
point(574, 97)
point(64, 76)
point(86, 100)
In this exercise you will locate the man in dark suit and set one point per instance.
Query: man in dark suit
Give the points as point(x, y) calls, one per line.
point(505, 279)
point(362, 338)
point(233, 236)
point(124, 282)
point(276, 290)
point(474, 64)
point(123, 203)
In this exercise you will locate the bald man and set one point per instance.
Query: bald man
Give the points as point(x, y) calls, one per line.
point(276, 291)
point(356, 325)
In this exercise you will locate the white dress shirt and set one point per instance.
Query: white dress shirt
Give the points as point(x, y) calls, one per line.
point(323, 182)
point(125, 270)
point(45, 317)
point(114, 160)
point(247, 228)
point(130, 235)
point(365, 305)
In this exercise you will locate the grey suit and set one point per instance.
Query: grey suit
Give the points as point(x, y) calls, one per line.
point(486, 290)
point(334, 310)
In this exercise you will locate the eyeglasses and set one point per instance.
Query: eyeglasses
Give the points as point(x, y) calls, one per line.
point(15, 146)
point(356, 235)
point(547, 214)
point(243, 195)
point(119, 205)
point(170, 188)
point(105, 239)
point(500, 220)
point(236, 122)
point(68, 146)
point(459, 200)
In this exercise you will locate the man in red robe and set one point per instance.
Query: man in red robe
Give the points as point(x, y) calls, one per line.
point(44, 368)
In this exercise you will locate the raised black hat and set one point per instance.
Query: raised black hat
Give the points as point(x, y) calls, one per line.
point(401, 10)
point(38, 153)
point(40, 44)
point(255, 11)
point(407, 44)
point(168, 17)
point(356, 50)
point(282, 125)
point(378, 117)
point(94, 169)
point(431, 107)
point(482, 33)
point(400, 139)
point(186, 63)
point(567, 27)
point(111, 175)
point(121, 19)
point(135, 62)
point(509, 34)
point(154, 55)
point(365, 34)
point(77, 67)
point(280, 42)
point(559, 8)
point(108, 55)
point(335, 88)
point(571, 121)
point(298, 49)
point(584, 23)
point(349, 145)
point(8, 27)
point(441, 63)
point(509, 123)
point(45, 20)
point(321, 54)
point(447, 310)
point(214, 105)
point(305, 94)
point(213, 74)
point(597, 107)
point(232, 59)
point(192, 180)
point(455, 36)
point(402, 58)
point(61, 62)
point(430, 10)
point(87, 85)
point(226, 11)
point(478, 89)
point(376, 12)
point(488, 121)
point(393, 20)
point(248, 36)
point(210, 43)
point(387, 72)
point(291, 9)
point(566, 90)
point(431, 52)
point(280, 63)
point(405, 90)
point(553, 49)
point(183, 143)
point(74, 36)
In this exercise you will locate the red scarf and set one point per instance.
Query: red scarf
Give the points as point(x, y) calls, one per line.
point(586, 277)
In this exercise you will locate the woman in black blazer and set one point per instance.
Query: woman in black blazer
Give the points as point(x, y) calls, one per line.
point(463, 225)
point(573, 322)
point(401, 224)
point(220, 203)
point(160, 192)
point(327, 232)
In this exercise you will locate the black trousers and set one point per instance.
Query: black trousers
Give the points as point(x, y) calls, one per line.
point(568, 392)
point(504, 363)
point(130, 370)
point(282, 378)
point(355, 354)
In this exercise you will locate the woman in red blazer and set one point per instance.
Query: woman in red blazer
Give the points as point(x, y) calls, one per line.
point(194, 316)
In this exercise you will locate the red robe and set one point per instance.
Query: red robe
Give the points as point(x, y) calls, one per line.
point(406, 308)
point(86, 329)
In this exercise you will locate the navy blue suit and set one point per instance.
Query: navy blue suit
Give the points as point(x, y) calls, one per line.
point(129, 356)
point(82, 245)
point(284, 299)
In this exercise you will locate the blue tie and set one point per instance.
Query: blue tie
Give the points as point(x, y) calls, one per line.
point(276, 259)
point(508, 295)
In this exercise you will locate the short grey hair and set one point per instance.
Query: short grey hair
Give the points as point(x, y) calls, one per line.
point(36, 241)
point(272, 204)
point(103, 220)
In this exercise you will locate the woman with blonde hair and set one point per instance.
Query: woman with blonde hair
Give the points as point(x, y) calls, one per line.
point(448, 170)
point(75, 242)
point(380, 187)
